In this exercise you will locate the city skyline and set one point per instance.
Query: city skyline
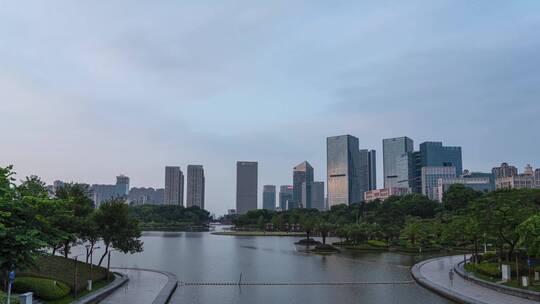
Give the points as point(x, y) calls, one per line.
point(193, 84)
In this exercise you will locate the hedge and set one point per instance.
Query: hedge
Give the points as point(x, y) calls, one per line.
point(46, 289)
point(377, 243)
point(3, 298)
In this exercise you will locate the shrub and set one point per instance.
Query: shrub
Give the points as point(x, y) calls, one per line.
point(42, 288)
point(489, 269)
point(490, 256)
point(376, 243)
point(3, 298)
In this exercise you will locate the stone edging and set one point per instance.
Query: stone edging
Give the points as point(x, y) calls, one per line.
point(167, 291)
point(102, 293)
point(522, 293)
point(441, 290)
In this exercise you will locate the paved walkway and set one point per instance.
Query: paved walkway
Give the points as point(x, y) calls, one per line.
point(142, 288)
point(434, 274)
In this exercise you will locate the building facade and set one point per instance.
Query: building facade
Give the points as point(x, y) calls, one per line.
point(537, 178)
point(174, 186)
point(367, 171)
point(504, 170)
point(269, 197)
point(396, 174)
point(195, 186)
point(430, 179)
point(483, 184)
point(383, 194)
point(520, 181)
point(285, 195)
point(317, 195)
point(246, 186)
point(342, 160)
point(140, 196)
point(302, 174)
point(122, 185)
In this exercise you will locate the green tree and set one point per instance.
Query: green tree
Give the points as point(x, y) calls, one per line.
point(117, 229)
point(529, 232)
point(324, 228)
point(458, 197)
point(307, 223)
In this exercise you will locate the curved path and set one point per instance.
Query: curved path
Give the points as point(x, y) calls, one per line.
point(433, 274)
point(145, 286)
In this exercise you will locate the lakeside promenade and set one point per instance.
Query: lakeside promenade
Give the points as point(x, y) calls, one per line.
point(433, 274)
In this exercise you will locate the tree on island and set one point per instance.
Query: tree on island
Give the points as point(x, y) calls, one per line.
point(324, 228)
point(117, 229)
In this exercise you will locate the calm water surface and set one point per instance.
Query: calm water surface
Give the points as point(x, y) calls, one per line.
point(203, 257)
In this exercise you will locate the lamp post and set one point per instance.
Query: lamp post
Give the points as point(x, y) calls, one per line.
point(76, 275)
point(90, 281)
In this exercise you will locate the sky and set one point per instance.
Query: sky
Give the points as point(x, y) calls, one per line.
point(93, 89)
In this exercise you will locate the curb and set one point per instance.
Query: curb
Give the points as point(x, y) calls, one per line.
point(525, 294)
point(102, 293)
point(167, 291)
point(438, 289)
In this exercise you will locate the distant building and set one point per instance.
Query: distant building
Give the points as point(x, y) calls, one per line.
point(383, 194)
point(246, 186)
point(431, 176)
point(231, 211)
point(433, 154)
point(537, 178)
point(521, 181)
point(195, 186)
point(174, 186)
point(343, 166)
point(102, 193)
point(316, 190)
point(122, 186)
point(57, 184)
point(269, 197)
point(367, 173)
point(528, 170)
point(140, 196)
point(395, 150)
point(483, 184)
point(285, 195)
point(302, 173)
point(504, 170)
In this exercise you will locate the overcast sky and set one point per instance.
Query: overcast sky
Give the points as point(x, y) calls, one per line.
point(92, 89)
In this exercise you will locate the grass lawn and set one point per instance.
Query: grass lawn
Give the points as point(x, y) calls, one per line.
point(69, 298)
point(259, 233)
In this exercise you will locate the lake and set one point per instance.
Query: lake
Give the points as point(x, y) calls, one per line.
point(203, 257)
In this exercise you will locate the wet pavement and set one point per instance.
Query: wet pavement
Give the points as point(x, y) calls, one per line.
point(142, 288)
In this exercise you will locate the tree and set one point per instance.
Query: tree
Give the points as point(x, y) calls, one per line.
point(117, 229)
point(458, 197)
point(307, 223)
point(418, 205)
point(412, 230)
point(324, 228)
point(529, 232)
point(20, 237)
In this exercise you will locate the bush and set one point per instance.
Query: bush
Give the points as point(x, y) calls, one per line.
point(376, 243)
point(3, 298)
point(490, 256)
point(46, 289)
point(489, 269)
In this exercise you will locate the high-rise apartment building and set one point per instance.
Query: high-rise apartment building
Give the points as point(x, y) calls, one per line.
point(285, 195)
point(269, 197)
point(430, 179)
point(246, 186)
point(396, 161)
point(302, 173)
point(343, 164)
point(537, 178)
point(122, 185)
point(174, 186)
point(504, 170)
point(195, 186)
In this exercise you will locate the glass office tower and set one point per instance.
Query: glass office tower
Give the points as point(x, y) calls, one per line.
point(302, 173)
point(246, 186)
point(343, 162)
point(396, 174)
point(269, 197)
point(285, 195)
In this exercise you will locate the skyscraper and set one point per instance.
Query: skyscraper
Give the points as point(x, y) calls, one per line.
point(269, 197)
point(433, 154)
point(396, 174)
point(195, 186)
point(174, 186)
point(302, 173)
point(285, 195)
point(317, 195)
point(122, 186)
point(246, 186)
point(342, 163)
point(367, 174)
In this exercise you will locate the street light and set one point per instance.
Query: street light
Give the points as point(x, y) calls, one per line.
point(89, 287)
point(76, 264)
